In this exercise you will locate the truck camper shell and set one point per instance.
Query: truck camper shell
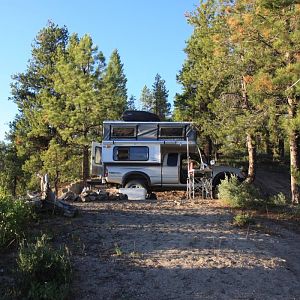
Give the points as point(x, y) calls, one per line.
point(167, 132)
point(151, 154)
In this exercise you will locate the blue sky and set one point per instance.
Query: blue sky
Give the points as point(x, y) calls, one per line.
point(150, 36)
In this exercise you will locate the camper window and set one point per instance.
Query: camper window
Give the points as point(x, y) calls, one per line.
point(171, 132)
point(138, 153)
point(123, 132)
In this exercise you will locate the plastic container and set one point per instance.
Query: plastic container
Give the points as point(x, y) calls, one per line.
point(134, 193)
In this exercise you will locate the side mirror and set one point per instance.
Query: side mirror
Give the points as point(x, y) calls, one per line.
point(212, 162)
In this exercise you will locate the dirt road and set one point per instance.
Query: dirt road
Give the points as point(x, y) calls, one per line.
point(166, 250)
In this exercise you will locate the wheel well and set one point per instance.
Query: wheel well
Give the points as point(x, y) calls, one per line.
point(219, 177)
point(136, 176)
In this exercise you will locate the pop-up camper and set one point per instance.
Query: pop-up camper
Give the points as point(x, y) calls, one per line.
point(151, 154)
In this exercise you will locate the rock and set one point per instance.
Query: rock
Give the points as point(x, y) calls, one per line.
point(76, 187)
point(68, 196)
point(102, 196)
point(92, 198)
point(118, 197)
point(90, 195)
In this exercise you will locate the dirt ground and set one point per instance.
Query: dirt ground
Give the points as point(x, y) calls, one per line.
point(174, 249)
point(168, 249)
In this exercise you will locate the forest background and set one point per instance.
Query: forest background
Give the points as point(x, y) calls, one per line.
point(240, 85)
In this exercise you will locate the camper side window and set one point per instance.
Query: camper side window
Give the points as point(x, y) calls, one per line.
point(132, 153)
point(171, 132)
point(123, 132)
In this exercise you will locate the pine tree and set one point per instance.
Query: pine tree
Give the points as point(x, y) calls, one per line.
point(216, 76)
point(203, 74)
point(248, 68)
point(31, 130)
point(77, 114)
point(146, 99)
point(279, 32)
point(114, 88)
point(11, 174)
point(245, 60)
point(131, 103)
point(273, 27)
point(161, 106)
point(63, 97)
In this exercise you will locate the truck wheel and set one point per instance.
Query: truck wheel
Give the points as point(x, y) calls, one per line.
point(215, 192)
point(136, 183)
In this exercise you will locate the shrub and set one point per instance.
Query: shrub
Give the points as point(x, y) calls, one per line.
point(118, 250)
point(15, 215)
point(278, 200)
point(44, 272)
point(239, 195)
point(242, 220)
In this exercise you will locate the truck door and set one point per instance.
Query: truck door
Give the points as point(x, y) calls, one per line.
point(96, 159)
point(170, 169)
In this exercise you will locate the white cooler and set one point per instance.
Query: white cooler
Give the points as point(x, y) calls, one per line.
point(134, 193)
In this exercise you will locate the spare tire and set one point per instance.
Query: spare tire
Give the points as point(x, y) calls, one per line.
point(139, 116)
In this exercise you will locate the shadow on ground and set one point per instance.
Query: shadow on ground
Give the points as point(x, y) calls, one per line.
point(157, 250)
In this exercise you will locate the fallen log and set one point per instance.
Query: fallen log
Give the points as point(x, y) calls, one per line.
point(47, 201)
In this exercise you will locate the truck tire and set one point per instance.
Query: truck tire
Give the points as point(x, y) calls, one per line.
point(137, 183)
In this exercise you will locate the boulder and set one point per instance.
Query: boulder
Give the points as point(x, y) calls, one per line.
point(76, 187)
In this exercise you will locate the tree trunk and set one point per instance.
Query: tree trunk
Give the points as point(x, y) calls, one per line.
point(85, 164)
point(294, 155)
point(281, 148)
point(251, 147)
point(269, 146)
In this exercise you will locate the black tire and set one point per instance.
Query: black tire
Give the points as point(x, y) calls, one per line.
point(137, 183)
point(215, 192)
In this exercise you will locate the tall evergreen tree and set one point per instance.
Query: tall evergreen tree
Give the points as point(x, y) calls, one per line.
point(243, 55)
point(244, 62)
point(32, 131)
point(11, 174)
point(114, 88)
point(131, 103)
point(77, 112)
point(272, 27)
point(204, 72)
point(161, 106)
point(146, 99)
point(278, 30)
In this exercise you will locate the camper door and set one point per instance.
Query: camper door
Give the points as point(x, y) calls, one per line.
point(96, 159)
